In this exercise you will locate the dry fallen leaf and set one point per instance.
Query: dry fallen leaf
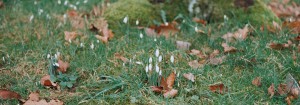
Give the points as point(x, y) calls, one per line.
point(295, 92)
point(150, 32)
point(282, 89)
point(166, 29)
point(243, 3)
point(218, 88)
point(170, 94)
point(201, 21)
point(45, 81)
point(119, 56)
point(256, 81)
point(70, 35)
point(1, 4)
point(274, 28)
point(157, 89)
point(271, 90)
point(197, 53)
point(216, 61)
point(34, 96)
point(228, 49)
point(40, 102)
point(288, 100)
point(278, 46)
point(293, 26)
point(240, 34)
point(56, 102)
point(181, 45)
point(170, 80)
point(7, 94)
point(189, 76)
point(195, 64)
point(63, 66)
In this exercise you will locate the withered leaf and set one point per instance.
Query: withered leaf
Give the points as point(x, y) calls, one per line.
point(218, 88)
point(256, 81)
point(166, 29)
point(228, 49)
point(170, 94)
point(56, 102)
point(34, 96)
point(216, 61)
point(70, 35)
point(163, 83)
point(63, 66)
point(282, 89)
point(195, 64)
point(170, 80)
point(271, 90)
point(157, 89)
point(7, 94)
point(189, 76)
point(119, 56)
point(240, 34)
point(198, 53)
point(201, 21)
point(45, 81)
point(181, 45)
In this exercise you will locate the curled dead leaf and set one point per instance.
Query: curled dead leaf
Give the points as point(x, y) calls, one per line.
point(197, 53)
point(271, 90)
point(170, 80)
point(104, 39)
point(228, 49)
point(256, 81)
point(218, 88)
point(282, 89)
point(195, 64)
point(157, 89)
point(7, 94)
point(189, 76)
point(150, 32)
point(119, 56)
point(295, 92)
point(34, 96)
point(63, 66)
point(40, 102)
point(70, 35)
point(201, 21)
point(240, 34)
point(293, 26)
point(216, 61)
point(181, 45)
point(55, 102)
point(45, 81)
point(170, 94)
point(166, 29)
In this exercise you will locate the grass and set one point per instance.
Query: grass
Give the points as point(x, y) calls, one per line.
point(104, 80)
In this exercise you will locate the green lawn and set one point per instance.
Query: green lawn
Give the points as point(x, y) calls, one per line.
point(103, 79)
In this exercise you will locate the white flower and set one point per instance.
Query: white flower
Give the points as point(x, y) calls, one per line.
point(3, 59)
point(155, 40)
point(98, 41)
point(48, 56)
point(160, 72)
point(137, 22)
point(81, 45)
point(31, 18)
point(139, 63)
point(40, 11)
point(157, 52)
point(58, 54)
point(77, 3)
point(150, 60)
point(125, 20)
point(92, 46)
point(35, 2)
point(130, 60)
point(166, 23)
point(150, 67)
point(56, 64)
point(226, 18)
point(196, 29)
point(70, 41)
point(146, 69)
point(59, 2)
point(66, 2)
point(48, 16)
point(85, 1)
point(172, 59)
point(141, 35)
point(55, 56)
point(160, 58)
point(123, 64)
point(156, 68)
point(178, 74)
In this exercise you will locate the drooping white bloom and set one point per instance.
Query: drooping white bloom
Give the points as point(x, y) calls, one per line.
point(59, 2)
point(48, 56)
point(150, 60)
point(156, 68)
point(55, 56)
point(157, 52)
point(166, 23)
point(123, 64)
point(58, 53)
point(139, 63)
point(137, 22)
point(3, 59)
point(85, 1)
point(141, 35)
point(48, 16)
point(92, 46)
point(35, 2)
point(172, 59)
point(66, 2)
point(160, 72)
point(65, 18)
point(81, 44)
point(70, 41)
point(160, 58)
point(56, 64)
point(40, 11)
point(98, 41)
point(31, 18)
point(77, 3)
point(155, 39)
point(146, 69)
point(196, 29)
point(150, 67)
point(178, 74)
point(225, 18)
point(125, 20)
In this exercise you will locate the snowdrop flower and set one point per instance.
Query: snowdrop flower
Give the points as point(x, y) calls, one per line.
point(166, 23)
point(178, 74)
point(66, 2)
point(35, 2)
point(157, 52)
point(172, 59)
point(108, 4)
point(137, 22)
point(146, 69)
point(58, 2)
point(160, 72)
point(48, 16)
point(225, 18)
point(85, 1)
point(156, 68)
point(123, 64)
point(70, 41)
point(48, 56)
point(130, 60)
point(141, 35)
point(150, 60)
point(56, 64)
point(160, 58)
point(40, 11)
point(155, 40)
point(58, 54)
point(77, 3)
point(98, 41)
point(196, 29)
point(55, 56)
point(139, 63)
point(150, 67)
point(81, 45)
point(92, 46)
point(31, 18)
point(125, 20)
point(3, 59)
point(65, 18)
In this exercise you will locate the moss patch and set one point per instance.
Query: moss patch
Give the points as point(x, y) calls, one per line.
point(140, 10)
